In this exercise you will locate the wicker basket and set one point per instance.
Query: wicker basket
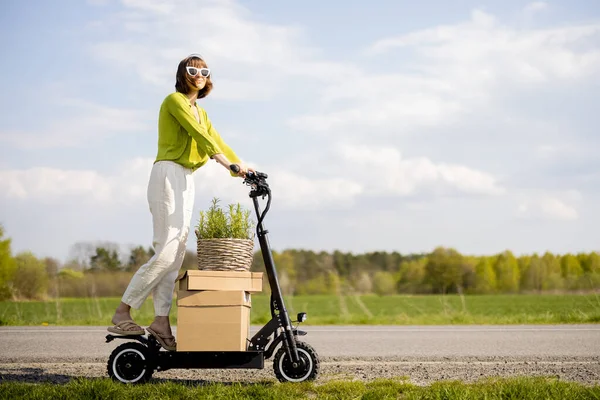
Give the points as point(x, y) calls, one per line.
point(225, 254)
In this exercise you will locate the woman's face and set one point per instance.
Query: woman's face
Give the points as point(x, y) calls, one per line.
point(197, 78)
point(199, 82)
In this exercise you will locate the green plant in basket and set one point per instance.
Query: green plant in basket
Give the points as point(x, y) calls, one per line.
point(215, 223)
point(225, 239)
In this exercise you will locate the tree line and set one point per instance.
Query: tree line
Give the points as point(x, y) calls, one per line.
point(103, 269)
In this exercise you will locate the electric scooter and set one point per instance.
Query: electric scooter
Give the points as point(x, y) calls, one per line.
point(295, 361)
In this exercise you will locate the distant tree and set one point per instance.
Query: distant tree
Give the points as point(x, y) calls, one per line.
point(137, 257)
point(384, 261)
point(411, 276)
point(31, 278)
point(534, 275)
point(313, 286)
point(52, 266)
point(524, 262)
point(334, 283)
point(485, 277)
point(81, 253)
point(74, 265)
point(105, 260)
point(284, 262)
point(285, 283)
point(362, 283)
point(571, 270)
point(554, 279)
point(7, 266)
point(383, 283)
point(69, 273)
point(590, 263)
point(341, 263)
point(507, 272)
point(444, 270)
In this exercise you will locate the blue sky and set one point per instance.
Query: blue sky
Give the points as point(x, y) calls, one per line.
point(383, 125)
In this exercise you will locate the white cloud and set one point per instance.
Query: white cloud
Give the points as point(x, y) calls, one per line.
point(375, 171)
point(77, 122)
point(488, 52)
point(128, 186)
point(536, 7)
point(244, 54)
point(296, 192)
point(383, 101)
point(458, 70)
point(384, 171)
point(551, 206)
point(45, 185)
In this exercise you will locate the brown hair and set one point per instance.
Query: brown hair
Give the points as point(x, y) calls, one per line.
point(183, 80)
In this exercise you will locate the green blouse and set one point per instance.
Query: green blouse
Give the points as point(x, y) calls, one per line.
point(185, 141)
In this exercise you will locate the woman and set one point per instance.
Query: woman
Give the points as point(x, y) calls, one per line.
point(186, 141)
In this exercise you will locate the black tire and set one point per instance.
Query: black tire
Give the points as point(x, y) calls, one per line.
point(284, 370)
point(130, 363)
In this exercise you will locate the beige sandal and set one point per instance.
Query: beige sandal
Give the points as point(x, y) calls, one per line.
point(123, 328)
point(161, 339)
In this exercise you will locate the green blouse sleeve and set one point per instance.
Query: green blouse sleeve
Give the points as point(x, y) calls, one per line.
point(180, 110)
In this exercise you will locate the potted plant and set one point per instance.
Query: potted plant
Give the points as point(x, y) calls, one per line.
point(225, 239)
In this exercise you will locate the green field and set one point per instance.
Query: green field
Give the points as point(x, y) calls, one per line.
point(506, 389)
point(371, 309)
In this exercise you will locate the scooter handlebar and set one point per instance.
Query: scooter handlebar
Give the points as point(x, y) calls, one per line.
point(249, 175)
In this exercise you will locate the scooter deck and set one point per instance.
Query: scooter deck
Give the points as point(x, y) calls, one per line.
point(165, 360)
point(210, 360)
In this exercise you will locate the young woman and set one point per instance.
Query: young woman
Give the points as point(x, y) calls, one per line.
point(186, 141)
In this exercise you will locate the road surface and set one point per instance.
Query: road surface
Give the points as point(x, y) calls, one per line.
point(421, 353)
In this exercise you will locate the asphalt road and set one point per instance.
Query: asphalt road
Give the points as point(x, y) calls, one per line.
point(424, 354)
point(87, 344)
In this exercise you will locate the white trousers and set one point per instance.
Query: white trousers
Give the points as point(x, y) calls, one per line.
point(171, 201)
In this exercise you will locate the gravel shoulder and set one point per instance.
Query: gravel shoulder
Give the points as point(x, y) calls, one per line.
point(421, 372)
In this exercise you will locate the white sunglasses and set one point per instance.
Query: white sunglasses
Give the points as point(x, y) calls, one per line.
point(193, 71)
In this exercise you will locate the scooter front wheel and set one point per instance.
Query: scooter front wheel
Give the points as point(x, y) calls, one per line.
point(129, 363)
point(308, 370)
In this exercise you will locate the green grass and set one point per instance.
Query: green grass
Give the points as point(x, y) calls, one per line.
point(505, 389)
point(371, 309)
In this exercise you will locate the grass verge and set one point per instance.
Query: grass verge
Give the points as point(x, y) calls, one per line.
point(332, 310)
point(515, 388)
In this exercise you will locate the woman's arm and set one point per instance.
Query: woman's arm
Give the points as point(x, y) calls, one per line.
point(179, 108)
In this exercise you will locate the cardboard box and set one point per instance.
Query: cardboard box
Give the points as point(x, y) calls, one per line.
point(220, 280)
point(213, 320)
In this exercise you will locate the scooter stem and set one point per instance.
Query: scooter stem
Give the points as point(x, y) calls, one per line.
point(276, 295)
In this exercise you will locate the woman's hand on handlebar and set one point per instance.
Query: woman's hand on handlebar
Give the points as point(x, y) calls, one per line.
point(239, 169)
point(242, 170)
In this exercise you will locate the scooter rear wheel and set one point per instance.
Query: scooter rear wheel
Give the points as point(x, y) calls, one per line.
point(307, 371)
point(129, 363)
